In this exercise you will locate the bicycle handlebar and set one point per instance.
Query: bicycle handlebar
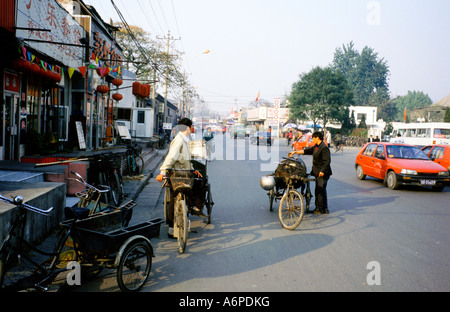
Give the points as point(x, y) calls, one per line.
point(81, 180)
point(18, 201)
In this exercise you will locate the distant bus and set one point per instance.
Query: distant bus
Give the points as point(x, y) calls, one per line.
point(422, 134)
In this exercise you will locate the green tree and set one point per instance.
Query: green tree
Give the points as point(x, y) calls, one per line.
point(414, 99)
point(365, 72)
point(388, 111)
point(322, 94)
point(447, 115)
point(148, 58)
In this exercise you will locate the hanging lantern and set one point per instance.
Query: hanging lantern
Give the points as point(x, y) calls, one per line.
point(117, 82)
point(147, 89)
point(35, 69)
point(102, 89)
point(22, 65)
point(56, 77)
point(117, 96)
point(136, 88)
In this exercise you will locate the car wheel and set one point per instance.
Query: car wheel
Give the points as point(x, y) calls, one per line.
point(360, 173)
point(391, 180)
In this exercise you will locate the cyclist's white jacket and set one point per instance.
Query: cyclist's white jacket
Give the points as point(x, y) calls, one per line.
point(179, 156)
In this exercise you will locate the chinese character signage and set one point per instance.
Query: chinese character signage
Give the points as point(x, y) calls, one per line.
point(48, 14)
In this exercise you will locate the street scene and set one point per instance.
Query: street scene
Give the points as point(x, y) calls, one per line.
point(243, 148)
point(245, 249)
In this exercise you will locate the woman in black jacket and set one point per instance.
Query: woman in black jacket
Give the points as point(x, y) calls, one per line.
point(321, 170)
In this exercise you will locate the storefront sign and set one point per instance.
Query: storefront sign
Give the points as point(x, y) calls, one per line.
point(49, 15)
point(11, 82)
point(105, 49)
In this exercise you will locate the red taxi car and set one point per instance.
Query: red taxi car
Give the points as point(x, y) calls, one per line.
point(304, 141)
point(439, 154)
point(400, 164)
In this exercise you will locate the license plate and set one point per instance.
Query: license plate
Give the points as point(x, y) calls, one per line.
point(428, 182)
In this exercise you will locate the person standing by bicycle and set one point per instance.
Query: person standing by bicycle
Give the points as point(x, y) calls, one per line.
point(321, 170)
point(179, 157)
point(208, 136)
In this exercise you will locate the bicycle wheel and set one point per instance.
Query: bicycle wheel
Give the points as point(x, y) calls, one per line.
point(115, 188)
point(134, 267)
point(291, 210)
point(17, 272)
point(139, 164)
point(182, 222)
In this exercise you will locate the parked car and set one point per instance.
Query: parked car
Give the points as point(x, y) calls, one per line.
point(304, 141)
point(262, 137)
point(238, 131)
point(439, 154)
point(400, 164)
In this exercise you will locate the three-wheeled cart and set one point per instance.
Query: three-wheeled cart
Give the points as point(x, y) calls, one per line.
point(290, 183)
point(102, 241)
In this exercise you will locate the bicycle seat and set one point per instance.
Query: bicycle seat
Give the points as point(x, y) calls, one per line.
point(77, 213)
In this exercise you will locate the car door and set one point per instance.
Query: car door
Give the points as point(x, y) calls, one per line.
point(437, 154)
point(379, 162)
point(366, 159)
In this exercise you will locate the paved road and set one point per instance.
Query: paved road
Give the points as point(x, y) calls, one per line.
point(399, 239)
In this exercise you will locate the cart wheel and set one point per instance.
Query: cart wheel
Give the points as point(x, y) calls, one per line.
point(291, 210)
point(134, 267)
point(271, 195)
point(209, 203)
point(182, 222)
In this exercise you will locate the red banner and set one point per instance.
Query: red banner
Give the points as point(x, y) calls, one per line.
point(12, 82)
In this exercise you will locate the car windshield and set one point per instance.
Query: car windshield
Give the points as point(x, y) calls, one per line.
point(405, 152)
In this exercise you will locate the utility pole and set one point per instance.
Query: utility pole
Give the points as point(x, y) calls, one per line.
point(169, 39)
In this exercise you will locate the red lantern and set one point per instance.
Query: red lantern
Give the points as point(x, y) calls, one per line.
point(22, 65)
point(35, 69)
point(146, 90)
point(117, 96)
point(117, 82)
point(56, 77)
point(136, 88)
point(102, 89)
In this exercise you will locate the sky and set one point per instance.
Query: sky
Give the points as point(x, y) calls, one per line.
point(262, 46)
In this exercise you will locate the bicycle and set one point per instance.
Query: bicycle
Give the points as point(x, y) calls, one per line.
point(105, 169)
point(135, 163)
point(102, 240)
point(179, 187)
point(339, 147)
point(282, 185)
point(90, 198)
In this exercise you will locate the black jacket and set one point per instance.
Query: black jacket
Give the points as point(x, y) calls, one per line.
point(321, 159)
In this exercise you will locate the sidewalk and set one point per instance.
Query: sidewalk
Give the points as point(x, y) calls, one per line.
point(146, 191)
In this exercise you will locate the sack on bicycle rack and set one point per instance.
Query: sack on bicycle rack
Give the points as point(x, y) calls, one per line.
point(182, 181)
point(289, 169)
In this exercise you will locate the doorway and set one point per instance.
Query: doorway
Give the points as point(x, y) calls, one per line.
point(11, 121)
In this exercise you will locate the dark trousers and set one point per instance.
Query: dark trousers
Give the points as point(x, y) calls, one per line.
point(321, 194)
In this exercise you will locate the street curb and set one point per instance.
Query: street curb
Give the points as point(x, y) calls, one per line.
point(149, 176)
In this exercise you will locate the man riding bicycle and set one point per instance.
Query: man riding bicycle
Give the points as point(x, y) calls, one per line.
point(179, 157)
point(338, 141)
